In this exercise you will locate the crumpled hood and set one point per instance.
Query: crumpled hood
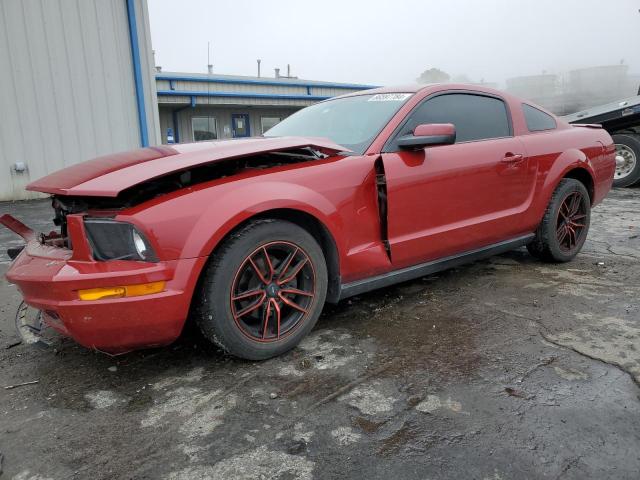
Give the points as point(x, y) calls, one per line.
point(108, 175)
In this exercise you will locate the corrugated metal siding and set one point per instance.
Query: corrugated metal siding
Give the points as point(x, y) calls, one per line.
point(223, 118)
point(232, 87)
point(240, 88)
point(67, 92)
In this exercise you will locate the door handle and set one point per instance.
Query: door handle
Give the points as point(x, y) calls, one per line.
point(512, 158)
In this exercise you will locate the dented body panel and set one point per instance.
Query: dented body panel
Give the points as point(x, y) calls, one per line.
point(111, 174)
point(50, 283)
point(384, 211)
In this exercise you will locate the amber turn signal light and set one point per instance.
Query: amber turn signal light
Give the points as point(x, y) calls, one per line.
point(120, 292)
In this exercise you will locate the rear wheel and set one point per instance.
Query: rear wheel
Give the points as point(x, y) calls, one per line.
point(627, 159)
point(565, 224)
point(263, 290)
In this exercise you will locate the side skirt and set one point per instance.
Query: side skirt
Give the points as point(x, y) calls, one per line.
point(416, 271)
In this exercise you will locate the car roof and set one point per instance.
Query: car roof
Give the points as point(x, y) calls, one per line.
point(415, 88)
point(438, 87)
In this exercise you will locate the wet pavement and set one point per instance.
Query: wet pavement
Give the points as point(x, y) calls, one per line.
point(503, 369)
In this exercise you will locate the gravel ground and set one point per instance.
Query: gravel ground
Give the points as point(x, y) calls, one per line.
point(505, 368)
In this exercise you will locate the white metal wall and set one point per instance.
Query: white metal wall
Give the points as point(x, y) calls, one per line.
point(67, 90)
point(281, 87)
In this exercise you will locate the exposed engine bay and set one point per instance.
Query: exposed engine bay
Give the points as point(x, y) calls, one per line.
point(137, 194)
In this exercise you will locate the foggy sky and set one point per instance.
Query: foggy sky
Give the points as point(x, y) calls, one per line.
point(392, 42)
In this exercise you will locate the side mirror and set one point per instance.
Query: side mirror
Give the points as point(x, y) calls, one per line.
point(429, 135)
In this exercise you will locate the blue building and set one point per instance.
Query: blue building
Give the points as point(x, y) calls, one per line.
point(194, 107)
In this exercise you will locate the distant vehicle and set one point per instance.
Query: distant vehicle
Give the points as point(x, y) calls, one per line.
point(622, 120)
point(252, 236)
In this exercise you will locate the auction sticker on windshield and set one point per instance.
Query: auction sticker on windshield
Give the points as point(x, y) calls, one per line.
point(389, 97)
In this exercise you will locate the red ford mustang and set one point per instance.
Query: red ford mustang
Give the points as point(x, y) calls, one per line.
point(252, 236)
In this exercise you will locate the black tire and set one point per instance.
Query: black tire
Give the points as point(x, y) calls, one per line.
point(549, 244)
point(628, 146)
point(217, 313)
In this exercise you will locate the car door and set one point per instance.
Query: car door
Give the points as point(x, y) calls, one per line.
point(449, 199)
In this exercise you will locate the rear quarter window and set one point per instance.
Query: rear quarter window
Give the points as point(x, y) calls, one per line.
point(537, 120)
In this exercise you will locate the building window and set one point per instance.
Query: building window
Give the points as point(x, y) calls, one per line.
point(267, 122)
point(204, 128)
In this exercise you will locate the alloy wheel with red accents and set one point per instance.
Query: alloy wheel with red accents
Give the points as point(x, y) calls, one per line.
point(571, 221)
point(263, 289)
point(564, 227)
point(272, 291)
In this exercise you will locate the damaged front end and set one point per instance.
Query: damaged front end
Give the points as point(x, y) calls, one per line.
point(30, 326)
point(98, 281)
point(92, 216)
point(29, 322)
point(107, 278)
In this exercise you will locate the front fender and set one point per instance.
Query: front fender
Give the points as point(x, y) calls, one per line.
point(238, 204)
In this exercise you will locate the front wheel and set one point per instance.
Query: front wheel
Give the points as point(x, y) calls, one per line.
point(565, 224)
point(263, 290)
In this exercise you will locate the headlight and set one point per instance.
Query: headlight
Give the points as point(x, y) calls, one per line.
point(111, 240)
point(141, 247)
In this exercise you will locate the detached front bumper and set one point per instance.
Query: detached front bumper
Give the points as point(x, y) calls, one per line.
point(49, 279)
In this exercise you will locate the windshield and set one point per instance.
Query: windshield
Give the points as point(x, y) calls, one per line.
point(352, 122)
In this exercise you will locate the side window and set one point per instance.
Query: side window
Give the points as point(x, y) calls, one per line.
point(268, 122)
point(537, 120)
point(476, 117)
